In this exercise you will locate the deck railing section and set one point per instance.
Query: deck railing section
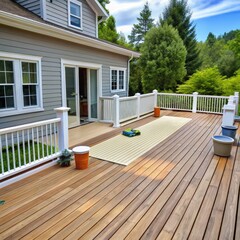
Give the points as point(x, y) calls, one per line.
point(106, 109)
point(128, 108)
point(28, 145)
point(146, 103)
point(175, 101)
point(211, 104)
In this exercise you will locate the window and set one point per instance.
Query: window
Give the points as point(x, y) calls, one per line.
point(75, 14)
point(20, 85)
point(118, 79)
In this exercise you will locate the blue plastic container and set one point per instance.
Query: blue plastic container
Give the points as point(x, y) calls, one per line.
point(222, 145)
point(229, 131)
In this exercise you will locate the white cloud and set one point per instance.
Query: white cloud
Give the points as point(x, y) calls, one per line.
point(199, 8)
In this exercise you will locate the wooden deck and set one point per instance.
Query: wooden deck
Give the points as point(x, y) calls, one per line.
point(178, 190)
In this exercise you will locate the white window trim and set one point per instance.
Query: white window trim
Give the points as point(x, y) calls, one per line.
point(19, 107)
point(124, 81)
point(69, 14)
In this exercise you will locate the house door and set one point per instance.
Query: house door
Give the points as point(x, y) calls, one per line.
point(93, 94)
point(72, 95)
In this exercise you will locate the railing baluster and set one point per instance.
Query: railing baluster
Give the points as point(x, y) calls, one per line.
point(33, 146)
point(7, 151)
point(1, 155)
point(29, 152)
point(38, 147)
point(13, 152)
point(51, 139)
point(43, 152)
point(19, 152)
point(24, 152)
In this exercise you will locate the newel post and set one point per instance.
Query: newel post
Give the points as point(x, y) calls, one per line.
point(138, 104)
point(194, 106)
point(236, 100)
point(116, 121)
point(155, 97)
point(62, 113)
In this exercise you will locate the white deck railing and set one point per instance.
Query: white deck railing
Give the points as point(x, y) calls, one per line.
point(192, 102)
point(28, 145)
point(117, 110)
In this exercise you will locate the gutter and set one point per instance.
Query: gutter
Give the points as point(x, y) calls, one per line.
point(27, 24)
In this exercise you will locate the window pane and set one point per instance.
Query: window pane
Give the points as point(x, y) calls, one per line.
point(9, 66)
point(121, 79)
point(6, 97)
point(25, 67)
point(114, 79)
point(2, 91)
point(32, 90)
point(10, 102)
point(75, 21)
point(33, 100)
point(2, 65)
point(10, 78)
point(2, 77)
point(75, 9)
point(33, 67)
point(26, 78)
point(26, 101)
point(9, 90)
point(33, 78)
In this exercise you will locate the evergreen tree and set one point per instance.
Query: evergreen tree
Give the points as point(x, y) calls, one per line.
point(178, 15)
point(163, 59)
point(107, 30)
point(139, 30)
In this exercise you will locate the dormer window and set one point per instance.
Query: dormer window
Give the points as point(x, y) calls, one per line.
point(75, 14)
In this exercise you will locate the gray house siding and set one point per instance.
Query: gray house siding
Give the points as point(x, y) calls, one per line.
point(32, 5)
point(52, 51)
point(57, 12)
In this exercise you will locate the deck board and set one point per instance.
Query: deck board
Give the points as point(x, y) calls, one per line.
point(177, 190)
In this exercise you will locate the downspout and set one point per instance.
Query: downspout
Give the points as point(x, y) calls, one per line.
point(130, 59)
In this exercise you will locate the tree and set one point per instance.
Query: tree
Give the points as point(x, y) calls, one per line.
point(104, 3)
point(163, 59)
point(178, 15)
point(207, 82)
point(107, 30)
point(232, 84)
point(145, 23)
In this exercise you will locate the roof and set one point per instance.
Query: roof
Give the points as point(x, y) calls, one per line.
point(99, 10)
point(14, 15)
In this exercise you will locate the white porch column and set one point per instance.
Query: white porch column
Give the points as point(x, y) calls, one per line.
point(155, 97)
point(116, 121)
point(194, 106)
point(62, 113)
point(138, 104)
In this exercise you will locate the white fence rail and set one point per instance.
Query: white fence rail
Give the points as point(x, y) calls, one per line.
point(192, 102)
point(106, 109)
point(28, 145)
point(128, 108)
point(146, 103)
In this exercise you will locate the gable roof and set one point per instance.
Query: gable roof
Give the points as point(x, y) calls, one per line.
point(14, 15)
point(97, 7)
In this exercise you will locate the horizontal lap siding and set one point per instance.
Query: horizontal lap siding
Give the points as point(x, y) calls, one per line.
point(32, 5)
point(52, 51)
point(57, 12)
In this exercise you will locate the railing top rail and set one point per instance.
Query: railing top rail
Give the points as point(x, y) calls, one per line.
point(127, 98)
point(212, 96)
point(29, 125)
point(108, 98)
point(175, 94)
point(147, 95)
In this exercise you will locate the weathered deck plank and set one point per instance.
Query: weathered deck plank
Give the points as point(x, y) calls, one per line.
point(178, 190)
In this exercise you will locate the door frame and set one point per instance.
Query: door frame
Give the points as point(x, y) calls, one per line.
point(79, 64)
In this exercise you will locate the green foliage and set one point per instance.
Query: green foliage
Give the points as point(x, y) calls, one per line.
point(2, 202)
point(139, 30)
point(206, 82)
point(107, 30)
point(178, 15)
point(232, 84)
point(26, 151)
point(104, 3)
point(163, 59)
point(135, 84)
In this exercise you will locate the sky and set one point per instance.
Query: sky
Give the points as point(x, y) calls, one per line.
point(216, 16)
